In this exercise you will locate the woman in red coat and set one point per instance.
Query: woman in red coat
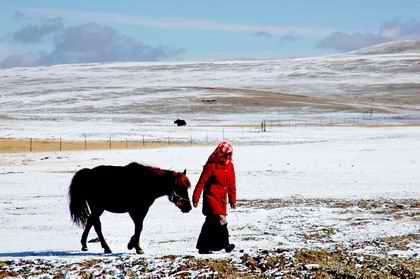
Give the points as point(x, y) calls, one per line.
point(217, 182)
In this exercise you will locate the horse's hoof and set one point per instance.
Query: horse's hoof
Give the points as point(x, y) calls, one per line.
point(84, 248)
point(139, 251)
point(130, 245)
point(107, 251)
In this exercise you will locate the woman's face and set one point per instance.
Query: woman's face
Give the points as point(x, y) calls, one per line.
point(224, 157)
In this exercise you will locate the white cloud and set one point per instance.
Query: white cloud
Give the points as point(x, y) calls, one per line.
point(262, 34)
point(109, 18)
point(389, 31)
point(35, 33)
point(27, 59)
point(398, 29)
point(346, 42)
point(90, 43)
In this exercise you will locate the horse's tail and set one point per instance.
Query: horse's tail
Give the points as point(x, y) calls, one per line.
point(79, 209)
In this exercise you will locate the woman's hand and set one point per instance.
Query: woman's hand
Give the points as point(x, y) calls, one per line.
point(222, 220)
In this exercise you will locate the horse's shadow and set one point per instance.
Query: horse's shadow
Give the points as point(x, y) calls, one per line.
point(51, 253)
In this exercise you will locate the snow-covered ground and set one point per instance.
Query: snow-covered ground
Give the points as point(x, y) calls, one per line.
point(326, 163)
point(124, 97)
point(314, 179)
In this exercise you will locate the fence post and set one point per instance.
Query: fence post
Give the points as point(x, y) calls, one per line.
point(263, 126)
point(61, 145)
point(110, 142)
point(143, 140)
point(85, 142)
point(30, 144)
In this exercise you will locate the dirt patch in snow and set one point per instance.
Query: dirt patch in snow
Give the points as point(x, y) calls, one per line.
point(260, 264)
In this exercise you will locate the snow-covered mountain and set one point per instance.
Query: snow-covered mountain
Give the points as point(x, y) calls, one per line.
point(406, 46)
point(209, 93)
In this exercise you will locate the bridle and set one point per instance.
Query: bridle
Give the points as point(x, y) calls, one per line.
point(174, 197)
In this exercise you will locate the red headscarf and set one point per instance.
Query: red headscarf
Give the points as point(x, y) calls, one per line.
point(223, 150)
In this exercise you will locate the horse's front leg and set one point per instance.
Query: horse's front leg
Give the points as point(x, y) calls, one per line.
point(138, 217)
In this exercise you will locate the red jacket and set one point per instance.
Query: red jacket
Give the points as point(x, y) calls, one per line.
point(218, 182)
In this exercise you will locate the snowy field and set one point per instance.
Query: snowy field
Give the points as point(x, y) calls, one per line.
point(129, 98)
point(337, 168)
point(351, 165)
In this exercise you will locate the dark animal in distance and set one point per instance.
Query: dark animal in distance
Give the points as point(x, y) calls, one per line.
point(119, 189)
point(180, 122)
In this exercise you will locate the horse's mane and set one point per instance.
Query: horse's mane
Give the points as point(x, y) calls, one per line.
point(154, 170)
point(161, 173)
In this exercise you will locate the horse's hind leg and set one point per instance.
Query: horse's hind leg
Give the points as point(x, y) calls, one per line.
point(93, 220)
point(85, 234)
point(98, 228)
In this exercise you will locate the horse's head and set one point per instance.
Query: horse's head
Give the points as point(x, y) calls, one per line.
point(179, 192)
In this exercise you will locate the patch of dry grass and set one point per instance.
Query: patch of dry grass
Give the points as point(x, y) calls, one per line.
point(313, 264)
point(339, 264)
point(52, 145)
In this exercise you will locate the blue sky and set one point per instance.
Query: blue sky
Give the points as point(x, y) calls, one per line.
point(51, 32)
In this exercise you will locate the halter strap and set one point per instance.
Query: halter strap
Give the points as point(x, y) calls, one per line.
point(172, 194)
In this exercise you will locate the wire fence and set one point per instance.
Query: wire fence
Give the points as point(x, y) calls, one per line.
point(60, 144)
point(267, 131)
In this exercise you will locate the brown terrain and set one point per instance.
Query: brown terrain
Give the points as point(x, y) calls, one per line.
point(52, 145)
point(394, 99)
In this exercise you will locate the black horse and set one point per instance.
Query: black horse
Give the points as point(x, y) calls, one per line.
point(119, 189)
point(180, 122)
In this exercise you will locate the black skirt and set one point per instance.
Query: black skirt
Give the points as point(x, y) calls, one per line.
point(213, 236)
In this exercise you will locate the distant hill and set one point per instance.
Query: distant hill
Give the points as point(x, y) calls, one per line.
point(407, 46)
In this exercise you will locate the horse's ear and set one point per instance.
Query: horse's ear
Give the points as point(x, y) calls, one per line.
point(185, 172)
